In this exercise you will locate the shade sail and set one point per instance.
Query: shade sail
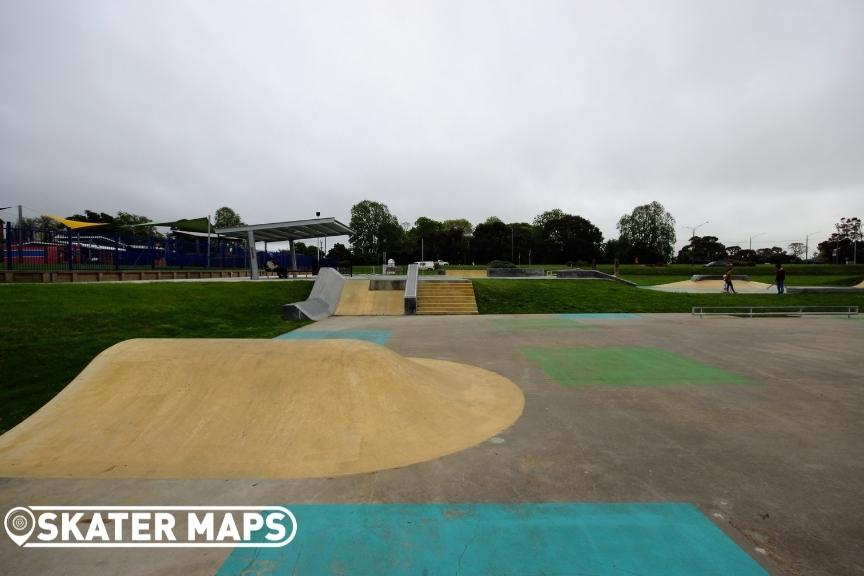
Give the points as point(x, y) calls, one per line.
point(294, 230)
point(185, 224)
point(75, 224)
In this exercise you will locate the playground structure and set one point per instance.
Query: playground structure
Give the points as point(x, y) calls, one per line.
point(51, 255)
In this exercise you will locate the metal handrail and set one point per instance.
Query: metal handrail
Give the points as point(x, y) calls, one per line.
point(752, 311)
point(411, 288)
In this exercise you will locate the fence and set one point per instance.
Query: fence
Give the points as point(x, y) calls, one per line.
point(26, 248)
point(760, 311)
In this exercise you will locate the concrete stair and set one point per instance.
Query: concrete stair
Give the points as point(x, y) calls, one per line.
point(446, 297)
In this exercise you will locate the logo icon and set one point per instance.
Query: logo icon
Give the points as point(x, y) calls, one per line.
point(19, 523)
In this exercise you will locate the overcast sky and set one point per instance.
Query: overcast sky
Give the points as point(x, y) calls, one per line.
point(746, 113)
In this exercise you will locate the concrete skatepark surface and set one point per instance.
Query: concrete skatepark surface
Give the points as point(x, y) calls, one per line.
point(223, 408)
point(776, 462)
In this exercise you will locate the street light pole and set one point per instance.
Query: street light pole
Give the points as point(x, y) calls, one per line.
point(693, 230)
point(511, 243)
point(807, 247)
point(318, 242)
point(754, 236)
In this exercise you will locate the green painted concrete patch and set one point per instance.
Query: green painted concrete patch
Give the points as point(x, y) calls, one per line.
point(538, 324)
point(626, 366)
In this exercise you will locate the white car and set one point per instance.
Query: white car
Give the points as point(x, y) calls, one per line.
point(429, 264)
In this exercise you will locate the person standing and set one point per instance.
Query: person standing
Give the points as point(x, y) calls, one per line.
point(780, 279)
point(727, 282)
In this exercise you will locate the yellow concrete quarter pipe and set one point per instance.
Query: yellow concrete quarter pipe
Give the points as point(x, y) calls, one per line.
point(199, 408)
point(358, 300)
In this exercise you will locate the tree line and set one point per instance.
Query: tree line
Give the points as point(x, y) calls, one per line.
point(645, 235)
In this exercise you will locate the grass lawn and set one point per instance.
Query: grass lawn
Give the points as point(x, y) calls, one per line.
point(557, 296)
point(50, 332)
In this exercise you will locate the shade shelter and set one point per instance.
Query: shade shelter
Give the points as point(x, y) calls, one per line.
point(285, 232)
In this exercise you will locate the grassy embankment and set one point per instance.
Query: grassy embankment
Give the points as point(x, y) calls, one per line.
point(496, 296)
point(50, 332)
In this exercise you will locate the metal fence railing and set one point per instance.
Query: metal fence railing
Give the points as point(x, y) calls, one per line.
point(757, 311)
point(44, 249)
point(27, 248)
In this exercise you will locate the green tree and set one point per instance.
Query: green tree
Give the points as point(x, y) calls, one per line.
point(701, 249)
point(339, 252)
point(747, 255)
point(226, 217)
point(425, 240)
point(555, 214)
point(122, 224)
point(458, 224)
point(797, 249)
point(491, 241)
point(124, 219)
point(650, 232)
point(773, 255)
point(91, 216)
point(845, 243)
point(526, 240)
point(42, 223)
point(572, 239)
point(615, 248)
point(306, 249)
point(375, 228)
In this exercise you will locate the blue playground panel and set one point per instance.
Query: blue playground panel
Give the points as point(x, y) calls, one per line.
point(600, 316)
point(653, 539)
point(377, 336)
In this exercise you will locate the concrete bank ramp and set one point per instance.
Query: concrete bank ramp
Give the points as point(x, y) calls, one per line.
point(225, 408)
point(475, 273)
point(322, 301)
point(710, 286)
point(359, 299)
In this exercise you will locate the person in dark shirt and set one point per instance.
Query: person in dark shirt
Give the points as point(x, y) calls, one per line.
point(780, 279)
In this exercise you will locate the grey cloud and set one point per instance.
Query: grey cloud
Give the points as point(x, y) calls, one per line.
point(746, 113)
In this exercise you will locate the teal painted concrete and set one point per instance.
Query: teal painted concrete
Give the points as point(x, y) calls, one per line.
point(654, 539)
point(377, 336)
point(600, 316)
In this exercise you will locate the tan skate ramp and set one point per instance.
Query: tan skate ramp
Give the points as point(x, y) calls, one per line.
point(199, 408)
point(708, 286)
point(466, 273)
point(358, 300)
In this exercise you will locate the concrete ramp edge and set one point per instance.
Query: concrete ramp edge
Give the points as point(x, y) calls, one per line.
point(322, 301)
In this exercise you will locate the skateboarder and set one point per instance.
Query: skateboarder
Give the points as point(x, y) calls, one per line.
point(780, 279)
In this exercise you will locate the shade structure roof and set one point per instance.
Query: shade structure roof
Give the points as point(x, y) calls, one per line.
point(295, 230)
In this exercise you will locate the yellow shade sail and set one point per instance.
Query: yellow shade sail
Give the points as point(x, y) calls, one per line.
point(74, 224)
